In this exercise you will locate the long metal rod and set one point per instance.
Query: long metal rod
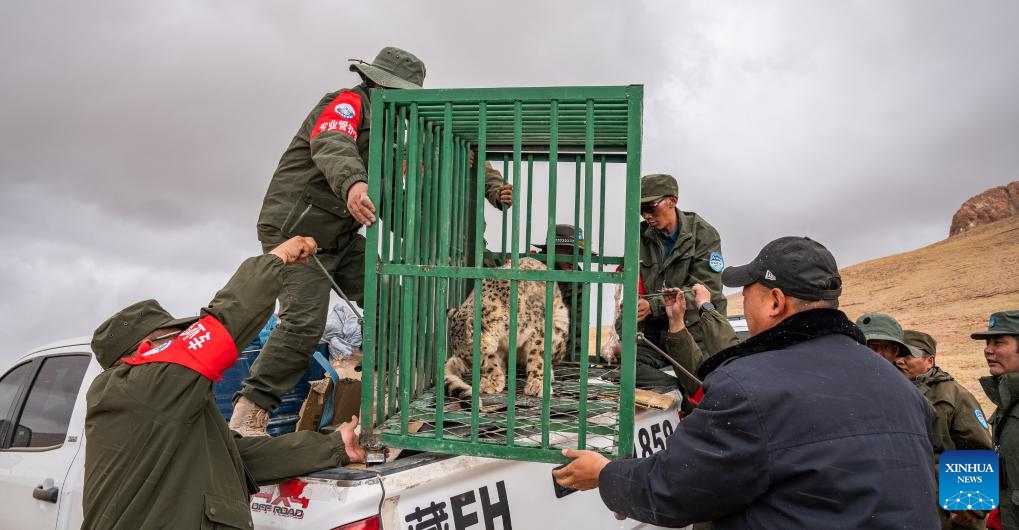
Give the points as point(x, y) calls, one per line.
point(684, 290)
point(675, 364)
point(360, 317)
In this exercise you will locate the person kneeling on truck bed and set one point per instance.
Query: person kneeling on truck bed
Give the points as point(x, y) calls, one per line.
point(159, 453)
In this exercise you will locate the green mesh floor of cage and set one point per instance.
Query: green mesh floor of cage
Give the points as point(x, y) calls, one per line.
point(491, 422)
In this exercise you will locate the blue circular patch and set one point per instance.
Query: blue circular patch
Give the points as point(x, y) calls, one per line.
point(345, 110)
point(158, 349)
point(992, 321)
point(715, 262)
point(980, 417)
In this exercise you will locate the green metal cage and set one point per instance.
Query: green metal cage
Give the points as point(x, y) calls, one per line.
point(426, 254)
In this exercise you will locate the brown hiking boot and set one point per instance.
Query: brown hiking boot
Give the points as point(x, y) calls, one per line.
point(248, 419)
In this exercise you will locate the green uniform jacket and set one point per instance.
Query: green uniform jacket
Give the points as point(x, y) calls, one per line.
point(681, 346)
point(313, 178)
point(308, 192)
point(1003, 391)
point(493, 181)
point(686, 265)
point(159, 453)
point(955, 423)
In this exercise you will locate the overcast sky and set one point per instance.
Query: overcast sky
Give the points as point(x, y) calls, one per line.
point(137, 137)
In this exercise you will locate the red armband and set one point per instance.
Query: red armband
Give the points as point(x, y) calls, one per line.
point(342, 114)
point(994, 519)
point(640, 281)
point(206, 347)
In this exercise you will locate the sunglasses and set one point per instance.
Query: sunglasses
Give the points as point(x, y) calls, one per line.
point(650, 207)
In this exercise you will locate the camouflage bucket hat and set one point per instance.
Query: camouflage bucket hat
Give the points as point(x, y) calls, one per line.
point(920, 340)
point(1000, 323)
point(656, 186)
point(881, 326)
point(566, 236)
point(393, 68)
point(120, 333)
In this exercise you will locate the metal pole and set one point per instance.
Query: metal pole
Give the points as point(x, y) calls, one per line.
point(360, 318)
point(675, 364)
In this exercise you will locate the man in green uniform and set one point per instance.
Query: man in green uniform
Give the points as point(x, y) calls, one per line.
point(677, 249)
point(568, 241)
point(884, 336)
point(1001, 350)
point(320, 190)
point(958, 421)
point(159, 454)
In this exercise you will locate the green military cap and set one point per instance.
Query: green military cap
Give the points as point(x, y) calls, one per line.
point(656, 186)
point(393, 68)
point(566, 236)
point(881, 326)
point(120, 333)
point(920, 340)
point(1000, 323)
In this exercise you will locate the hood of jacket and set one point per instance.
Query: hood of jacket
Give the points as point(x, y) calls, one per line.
point(934, 376)
point(1002, 390)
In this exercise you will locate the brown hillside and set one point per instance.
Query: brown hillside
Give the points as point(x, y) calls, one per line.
point(946, 289)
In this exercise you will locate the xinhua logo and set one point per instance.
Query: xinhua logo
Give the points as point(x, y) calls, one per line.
point(968, 480)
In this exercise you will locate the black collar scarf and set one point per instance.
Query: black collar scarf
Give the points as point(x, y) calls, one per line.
point(797, 328)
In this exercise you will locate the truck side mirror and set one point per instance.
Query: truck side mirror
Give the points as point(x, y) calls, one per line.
point(22, 437)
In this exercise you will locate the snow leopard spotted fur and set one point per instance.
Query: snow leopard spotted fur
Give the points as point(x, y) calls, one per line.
point(495, 334)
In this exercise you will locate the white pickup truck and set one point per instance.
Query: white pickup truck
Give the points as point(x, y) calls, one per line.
point(42, 417)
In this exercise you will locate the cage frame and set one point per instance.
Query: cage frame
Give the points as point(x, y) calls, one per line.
point(392, 112)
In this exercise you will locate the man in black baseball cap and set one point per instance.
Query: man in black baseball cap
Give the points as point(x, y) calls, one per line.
point(792, 267)
point(800, 406)
point(800, 266)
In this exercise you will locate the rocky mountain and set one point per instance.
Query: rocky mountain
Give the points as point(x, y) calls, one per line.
point(992, 205)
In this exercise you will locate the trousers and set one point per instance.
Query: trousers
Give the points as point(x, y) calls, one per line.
point(304, 303)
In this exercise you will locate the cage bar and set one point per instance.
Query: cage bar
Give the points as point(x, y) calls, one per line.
point(426, 255)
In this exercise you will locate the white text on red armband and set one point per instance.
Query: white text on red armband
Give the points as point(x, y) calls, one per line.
point(341, 115)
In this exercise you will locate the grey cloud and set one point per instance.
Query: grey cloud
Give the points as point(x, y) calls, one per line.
point(138, 137)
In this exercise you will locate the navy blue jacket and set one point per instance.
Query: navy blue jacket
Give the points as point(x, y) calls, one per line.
point(801, 426)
